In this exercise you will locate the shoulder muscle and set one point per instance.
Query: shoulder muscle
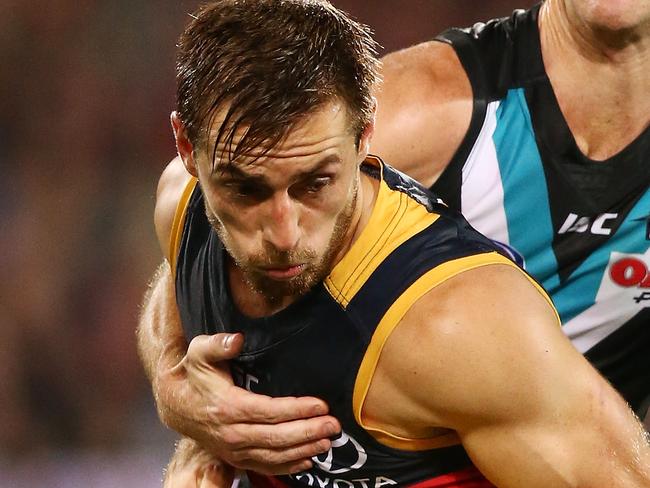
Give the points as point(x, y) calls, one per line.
point(171, 185)
point(424, 109)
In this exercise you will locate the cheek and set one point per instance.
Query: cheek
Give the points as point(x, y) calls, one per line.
point(318, 224)
point(236, 226)
point(317, 227)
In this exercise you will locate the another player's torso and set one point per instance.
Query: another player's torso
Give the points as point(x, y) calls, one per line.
point(320, 344)
point(582, 227)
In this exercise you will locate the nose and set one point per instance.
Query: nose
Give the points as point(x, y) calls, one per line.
point(280, 225)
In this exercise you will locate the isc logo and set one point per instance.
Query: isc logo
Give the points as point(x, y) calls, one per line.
point(631, 272)
point(575, 223)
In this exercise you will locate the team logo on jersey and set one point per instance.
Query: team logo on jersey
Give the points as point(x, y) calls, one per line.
point(600, 225)
point(346, 454)
point(632, 272)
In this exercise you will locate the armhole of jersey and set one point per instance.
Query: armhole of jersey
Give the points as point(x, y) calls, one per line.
point(449, 182)
point(389, 322)
point(179, 223)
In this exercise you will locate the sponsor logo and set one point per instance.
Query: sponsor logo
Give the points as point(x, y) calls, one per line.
point(600, 225)
point(631, 272)
point(345, 455)
point(319, 481)
point(346, 449)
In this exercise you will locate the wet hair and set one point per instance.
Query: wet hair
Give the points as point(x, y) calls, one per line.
point(263, 65)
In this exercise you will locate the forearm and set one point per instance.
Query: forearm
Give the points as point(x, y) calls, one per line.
point(599, 444)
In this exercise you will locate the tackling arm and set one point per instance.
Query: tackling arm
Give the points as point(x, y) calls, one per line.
point(192, 385)
point(495, 367)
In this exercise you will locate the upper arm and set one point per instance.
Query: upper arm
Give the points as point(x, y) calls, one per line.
point(171, 186)
point(495, 367)
point(424, 109)
point(160, 339)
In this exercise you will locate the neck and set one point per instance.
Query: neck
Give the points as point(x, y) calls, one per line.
point(621, 45)
point(600, 76)
point(366, 196)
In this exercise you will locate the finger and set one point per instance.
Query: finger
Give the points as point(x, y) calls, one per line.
point(282, 436)
point(280, 458)
point(215, 348)
point(245, 406)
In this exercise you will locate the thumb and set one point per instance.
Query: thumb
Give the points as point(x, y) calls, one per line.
point(215, 348)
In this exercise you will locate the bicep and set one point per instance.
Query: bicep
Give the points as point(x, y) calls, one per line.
point(536, 413)
point(527, 406)
point(555, 432)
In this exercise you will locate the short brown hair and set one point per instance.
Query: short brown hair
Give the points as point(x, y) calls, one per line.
point(270, 63)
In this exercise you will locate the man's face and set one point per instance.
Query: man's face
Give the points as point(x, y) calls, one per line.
point(284, 217)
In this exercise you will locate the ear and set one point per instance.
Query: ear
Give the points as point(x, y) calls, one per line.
point(183, 144)
point(366, 136)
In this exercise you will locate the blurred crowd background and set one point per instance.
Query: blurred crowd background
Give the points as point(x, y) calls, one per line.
point(86, 88)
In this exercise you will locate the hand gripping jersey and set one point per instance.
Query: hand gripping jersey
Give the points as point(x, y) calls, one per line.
point(582, 227)
point(327, 343)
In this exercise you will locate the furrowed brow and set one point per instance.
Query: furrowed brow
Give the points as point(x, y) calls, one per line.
point(230, 171)
point(319, 166)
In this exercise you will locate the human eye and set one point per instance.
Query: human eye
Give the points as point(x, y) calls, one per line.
point(314, 185)
point(246, 192)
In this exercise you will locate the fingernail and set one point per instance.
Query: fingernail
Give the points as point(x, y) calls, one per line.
point(319, 410)
point(227, 341)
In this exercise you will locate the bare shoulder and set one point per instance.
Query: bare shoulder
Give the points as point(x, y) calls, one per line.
point(424, 109)
point(171, 185)
point(484, 338)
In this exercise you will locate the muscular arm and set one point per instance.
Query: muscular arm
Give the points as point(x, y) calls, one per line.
point(424, 107)
point(495, 367)
point(192, 385)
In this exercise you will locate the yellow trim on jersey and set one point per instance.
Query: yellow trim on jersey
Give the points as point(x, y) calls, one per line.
point(179, 222)
point(391, 319)
point(395, 218)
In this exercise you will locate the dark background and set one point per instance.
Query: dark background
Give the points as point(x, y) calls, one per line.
point(86, 88)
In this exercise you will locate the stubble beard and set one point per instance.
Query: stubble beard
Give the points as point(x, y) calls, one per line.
point(277, 290)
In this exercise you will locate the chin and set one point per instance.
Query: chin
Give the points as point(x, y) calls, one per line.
point(614, 15)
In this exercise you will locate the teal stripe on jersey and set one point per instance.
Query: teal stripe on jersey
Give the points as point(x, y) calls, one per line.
point(630, 238)
point(525, 195)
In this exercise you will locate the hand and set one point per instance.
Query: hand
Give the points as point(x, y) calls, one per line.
point(269, 435)
point(193, 467)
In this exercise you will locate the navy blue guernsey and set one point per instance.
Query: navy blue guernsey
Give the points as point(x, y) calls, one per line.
point(326, 344)
point(581, 227)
